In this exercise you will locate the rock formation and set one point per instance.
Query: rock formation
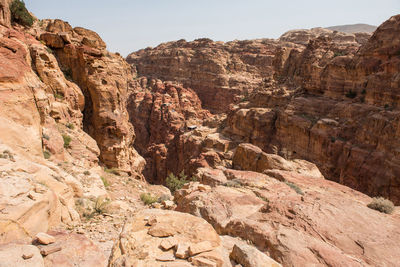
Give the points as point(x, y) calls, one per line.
point(258, 124)
point(328, 97)
point(161, 113)
point(294, 218)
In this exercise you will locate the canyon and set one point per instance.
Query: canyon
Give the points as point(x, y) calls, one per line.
point(275, 149)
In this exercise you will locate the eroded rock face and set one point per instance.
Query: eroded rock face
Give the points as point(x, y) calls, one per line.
point(76, 250)
point(161, 113)
point(168, 238)
point(20, 255)
point(5, 14)
point(324, 96)
point(220, 73)
point(303, 221)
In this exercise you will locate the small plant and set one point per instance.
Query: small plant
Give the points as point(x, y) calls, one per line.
point(86, 172)
point(49, 50)
point(381, 204)
point(364, 92)
point(112, 171)
point(20, 14)
point(333, 139)
point(105, 181)
point(351, 94)
point(175, 183)
point(101, 205)
point(67, 140)
point(338, 54)
point(295, 187)
point(68, 74)
point(244, 99)
point(70, 126)
point(7, 155)
point(59, 96)
point(46, 136)
point(46, 154)
point(148, 199)
point(233, 183)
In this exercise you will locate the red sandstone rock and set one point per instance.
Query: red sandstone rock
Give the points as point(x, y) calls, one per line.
point(329, 223)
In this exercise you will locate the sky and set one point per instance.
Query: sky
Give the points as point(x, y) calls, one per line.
point(129, 25)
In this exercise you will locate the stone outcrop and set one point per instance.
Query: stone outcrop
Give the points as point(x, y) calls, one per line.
point(73, 250)
point(20, 255)
point(161, 113)
point(303, 37)
point(296, 220)
point(218, 72)
point(168, 238)
point(104, 81)
point(324, 96)
point(5, 14)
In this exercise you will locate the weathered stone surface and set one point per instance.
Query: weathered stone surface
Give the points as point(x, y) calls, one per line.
point(44, 238)
point(52, 40)
point(105, 80)
point(75, 250)
point(218, 72)
point(313, 94)
point(304, 36)
point(137, 246)
point(249, 256)
point(5, 14)
point(12, 255)
point(161, 113)
point(303, 221)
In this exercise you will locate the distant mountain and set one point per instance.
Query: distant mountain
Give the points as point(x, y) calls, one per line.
point(353, 28)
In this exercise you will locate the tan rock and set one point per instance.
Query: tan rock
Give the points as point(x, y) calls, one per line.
point(52, 40)
point(45, 239)
point(270, 214)
point(5, 14)
point(249, 256)
point(136, 245)
point(74, 250)
point(200, 261)
point(13, 255)
point(198, 248)
point(182, 251)
point(161, 230)
point(165, 257)
point(168, 243)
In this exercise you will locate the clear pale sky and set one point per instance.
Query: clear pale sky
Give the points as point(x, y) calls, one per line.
point(127, 26)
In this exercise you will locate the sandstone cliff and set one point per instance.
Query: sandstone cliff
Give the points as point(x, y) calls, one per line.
point(319, 95)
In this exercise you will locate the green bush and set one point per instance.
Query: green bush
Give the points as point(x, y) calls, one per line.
point(175, 183)
point(70, 126)
point(59, 96)
point(351, 94)
point(105, 181)
point(112, 171)
point(101, 205)
point(233, 183)
point(381, 204)
point(67, 140)
point(295, 187)
point(86, 172)
point(46, 154)
point(148, 199)
point(46, 136)
point(20, 14)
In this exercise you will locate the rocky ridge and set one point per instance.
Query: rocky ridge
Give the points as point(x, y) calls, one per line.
point(324, 96)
